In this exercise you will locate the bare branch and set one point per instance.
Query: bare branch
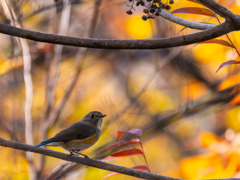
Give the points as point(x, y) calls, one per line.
point(183, 22)
point(86, 161)
point(121, 44)
point(51, 86)
point(180, 21)
point(10, 13)
point(220, 10)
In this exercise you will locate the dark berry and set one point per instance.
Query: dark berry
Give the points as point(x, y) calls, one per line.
point(137, 3)
point(145, 11)
point(153, 6)
point(150, 16)
point(163, 6)
point(142, 3)
point(129, 12)
point(144, 18)
point(168, 7)
point(157, 13)
point(171, 1)
point(152, 10)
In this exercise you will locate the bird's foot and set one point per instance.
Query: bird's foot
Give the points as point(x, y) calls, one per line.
point(78, 153)
point(71, 154)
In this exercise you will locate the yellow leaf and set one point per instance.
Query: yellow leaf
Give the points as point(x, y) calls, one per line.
point(139, 29)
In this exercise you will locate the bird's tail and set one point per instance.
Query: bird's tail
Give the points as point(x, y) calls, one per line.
point(41, 144)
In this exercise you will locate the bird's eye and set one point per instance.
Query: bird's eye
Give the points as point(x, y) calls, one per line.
point(92, 116)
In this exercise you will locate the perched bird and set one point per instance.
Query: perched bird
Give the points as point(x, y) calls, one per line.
point(79, 136)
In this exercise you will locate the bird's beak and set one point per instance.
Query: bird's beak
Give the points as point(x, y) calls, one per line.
point(103, 115)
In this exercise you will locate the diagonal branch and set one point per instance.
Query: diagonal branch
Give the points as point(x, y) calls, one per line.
point(86, 161)
point(220, 10)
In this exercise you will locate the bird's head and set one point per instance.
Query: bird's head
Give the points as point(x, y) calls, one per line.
point(94, 118)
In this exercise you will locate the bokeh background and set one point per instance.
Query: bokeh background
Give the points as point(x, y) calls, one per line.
point(187, 112)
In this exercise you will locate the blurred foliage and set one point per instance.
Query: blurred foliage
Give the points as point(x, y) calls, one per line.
point(135, 88)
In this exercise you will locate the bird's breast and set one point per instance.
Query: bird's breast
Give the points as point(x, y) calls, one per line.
point(81, 144)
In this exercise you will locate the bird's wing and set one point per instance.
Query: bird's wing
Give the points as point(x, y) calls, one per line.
point(76, 131)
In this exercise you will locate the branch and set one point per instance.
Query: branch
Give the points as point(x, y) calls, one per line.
point(11, 15)
point(220, 10)
point(217, 31)
point(180, 21)
point(86, 161)
point(52, 83)
point(184, 22)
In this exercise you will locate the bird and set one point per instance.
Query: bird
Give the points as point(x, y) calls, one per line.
point(79, 136)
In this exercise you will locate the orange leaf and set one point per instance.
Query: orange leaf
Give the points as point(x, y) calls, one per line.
point(217, 41)
point(194, 10)
point(235, 100)
point(232, 80)
point(235, 90)
point(233, 163)
point(137, 132)
point(207, 138)
point(227, 63)
point(141, 168)
point(119, 144)
point(124, 153)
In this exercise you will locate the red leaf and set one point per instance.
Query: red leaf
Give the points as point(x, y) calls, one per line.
point(194, 10)
point(120, 133)
point(119, 144)
point(109, 175)
point(228, 63)
point(124, 153)
point(217, 41)
point(137, 132)
point(141, 168)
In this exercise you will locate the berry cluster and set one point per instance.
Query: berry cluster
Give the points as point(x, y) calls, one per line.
point(153, 10)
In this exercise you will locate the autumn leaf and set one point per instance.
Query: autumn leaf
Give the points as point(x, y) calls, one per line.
point(235, 100)
point(125, 153)
point(227, 64)
point(141, 168)
point(120, 144)
point(194, 10)
point(208, 138)
point(137, 132)
point(216, 41)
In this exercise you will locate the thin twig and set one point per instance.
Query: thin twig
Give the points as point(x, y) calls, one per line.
point(51, 86)
point(58, 51)
point(28, 83)
point(228, 37)
point(79, 60)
